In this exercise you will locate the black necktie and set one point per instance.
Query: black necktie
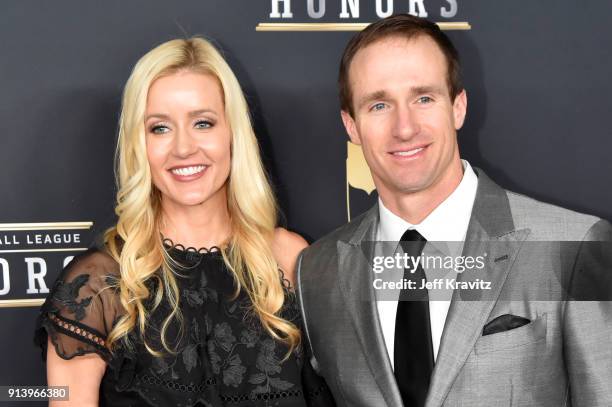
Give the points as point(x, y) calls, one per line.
point(413, 350)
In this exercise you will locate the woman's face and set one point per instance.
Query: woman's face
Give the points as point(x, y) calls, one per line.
point(188, 138)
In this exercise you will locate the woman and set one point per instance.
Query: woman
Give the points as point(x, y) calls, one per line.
point(147, 319)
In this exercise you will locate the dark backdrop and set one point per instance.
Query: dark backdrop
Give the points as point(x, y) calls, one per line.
point(537, 75)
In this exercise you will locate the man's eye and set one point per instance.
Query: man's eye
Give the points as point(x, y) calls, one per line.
point(377, 106)
point(203, 124)
point(424, 100)
point(159, 129)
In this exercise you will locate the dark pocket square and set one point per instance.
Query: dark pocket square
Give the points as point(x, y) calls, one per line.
point(504, 323)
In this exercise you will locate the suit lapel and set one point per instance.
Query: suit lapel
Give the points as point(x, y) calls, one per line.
point(355, 280)
point(491, 231)
point(467, 316)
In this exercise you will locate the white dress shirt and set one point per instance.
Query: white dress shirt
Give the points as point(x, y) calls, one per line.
point(448, 222)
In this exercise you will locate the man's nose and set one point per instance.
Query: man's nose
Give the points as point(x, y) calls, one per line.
point(406, 123)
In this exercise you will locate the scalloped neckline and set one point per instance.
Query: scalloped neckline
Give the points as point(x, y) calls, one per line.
point(167, 242)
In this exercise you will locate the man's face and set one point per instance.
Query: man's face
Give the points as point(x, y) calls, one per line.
point(404, 118)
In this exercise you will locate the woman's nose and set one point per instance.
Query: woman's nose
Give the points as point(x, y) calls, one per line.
point(184, 143)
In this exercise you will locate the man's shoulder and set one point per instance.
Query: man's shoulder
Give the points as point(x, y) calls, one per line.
point(552, 222)
point(328, 243)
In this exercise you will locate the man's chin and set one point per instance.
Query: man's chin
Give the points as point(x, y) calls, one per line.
point(410, 184)
point(412, 189)
point(405, 188)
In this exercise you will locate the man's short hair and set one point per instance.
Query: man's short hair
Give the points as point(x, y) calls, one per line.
point(401, 26)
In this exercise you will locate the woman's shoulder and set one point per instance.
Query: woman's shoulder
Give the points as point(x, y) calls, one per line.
point(286, 246)
point(96, 266)
point(97, 258)
point(82, 306)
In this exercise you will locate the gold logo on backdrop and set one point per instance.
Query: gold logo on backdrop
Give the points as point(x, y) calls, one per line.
point(446, 26)
point(29, 250)
point(282, 14)
point(358, 174)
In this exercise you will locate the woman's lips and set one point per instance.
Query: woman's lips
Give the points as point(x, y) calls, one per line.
point(188, 173)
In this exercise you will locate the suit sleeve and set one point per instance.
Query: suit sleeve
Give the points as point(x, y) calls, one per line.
point(317, 393)
point(587, 324)
point(309, 354)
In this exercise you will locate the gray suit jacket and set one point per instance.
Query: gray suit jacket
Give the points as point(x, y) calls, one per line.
point(563, 357)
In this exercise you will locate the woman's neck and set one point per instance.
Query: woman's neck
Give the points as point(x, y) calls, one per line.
point(203, 225)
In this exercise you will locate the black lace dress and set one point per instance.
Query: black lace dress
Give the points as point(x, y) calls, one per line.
point(223, 355)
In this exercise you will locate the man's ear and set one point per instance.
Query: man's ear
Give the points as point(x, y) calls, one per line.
point(350, 126)
point(460, 109)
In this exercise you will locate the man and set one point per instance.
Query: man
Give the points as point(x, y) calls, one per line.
point(515, 344)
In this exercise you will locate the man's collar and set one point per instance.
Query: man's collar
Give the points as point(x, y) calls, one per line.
point(447, 222)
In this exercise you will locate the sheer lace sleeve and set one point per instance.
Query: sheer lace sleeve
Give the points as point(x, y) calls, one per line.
point(80, 310)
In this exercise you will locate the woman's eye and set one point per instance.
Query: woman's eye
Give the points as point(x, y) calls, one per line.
point(203, 124)
point(159, 129)
point(378, 106)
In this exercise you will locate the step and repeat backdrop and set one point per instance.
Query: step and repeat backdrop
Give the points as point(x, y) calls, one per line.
point(537, 76)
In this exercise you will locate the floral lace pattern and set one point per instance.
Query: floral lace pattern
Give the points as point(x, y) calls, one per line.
point(66, 295)
point(223, 356)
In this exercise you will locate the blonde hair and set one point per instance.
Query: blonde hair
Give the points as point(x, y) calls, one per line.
point(135, 241)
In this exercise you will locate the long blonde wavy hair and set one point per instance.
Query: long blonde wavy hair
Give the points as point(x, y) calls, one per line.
point(135, 241)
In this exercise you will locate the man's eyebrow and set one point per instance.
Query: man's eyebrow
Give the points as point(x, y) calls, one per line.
point(414, 91)
point(417, 90)
point(379, 94)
